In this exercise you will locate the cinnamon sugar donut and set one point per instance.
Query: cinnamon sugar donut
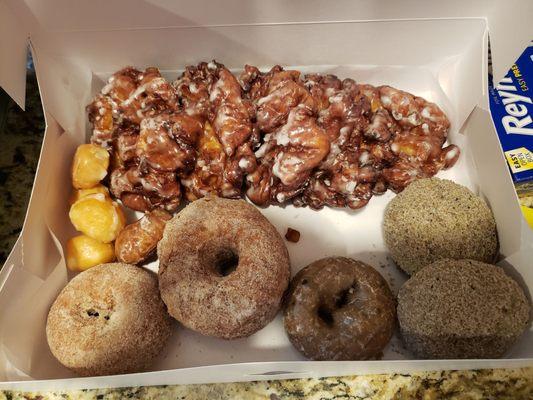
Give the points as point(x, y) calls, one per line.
point(223, 268)
point(108, 320)
point(339, 309)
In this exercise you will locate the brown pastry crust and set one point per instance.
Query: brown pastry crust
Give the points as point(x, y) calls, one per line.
point(108, 320)
point(339, 309)
point(461, 309)
point(435, 219)
point(196, 244)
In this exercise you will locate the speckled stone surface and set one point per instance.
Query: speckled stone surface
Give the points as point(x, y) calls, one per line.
point(21, 134)
point(514, 384)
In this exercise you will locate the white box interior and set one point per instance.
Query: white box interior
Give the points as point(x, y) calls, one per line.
point(442, 60)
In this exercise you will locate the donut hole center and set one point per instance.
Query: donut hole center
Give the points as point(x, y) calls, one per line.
point(324, 313)
point(92, 313)
point(226, 262)
point(219, 256)
point(341, 298)
point(326, 309)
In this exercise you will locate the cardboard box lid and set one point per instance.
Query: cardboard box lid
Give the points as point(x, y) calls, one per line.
point(76, 35)
point(13, 55)
point(508, 21)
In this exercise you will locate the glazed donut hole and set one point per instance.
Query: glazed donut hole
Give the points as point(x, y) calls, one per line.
point(219, 256)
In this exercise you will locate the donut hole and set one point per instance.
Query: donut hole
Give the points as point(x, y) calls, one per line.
point(341, 298)
point(324, 313)
point(226, 261)
point(91, 312)
point(219, 256)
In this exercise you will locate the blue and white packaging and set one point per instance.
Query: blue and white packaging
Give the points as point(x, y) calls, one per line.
point(511, 106)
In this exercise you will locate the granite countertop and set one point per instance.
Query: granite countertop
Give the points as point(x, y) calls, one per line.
point(21, 135)
point(514, 384)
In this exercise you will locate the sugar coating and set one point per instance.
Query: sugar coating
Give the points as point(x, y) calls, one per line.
point(108, 320)
point(436, 218)
point(232, 306)
point(461, 309)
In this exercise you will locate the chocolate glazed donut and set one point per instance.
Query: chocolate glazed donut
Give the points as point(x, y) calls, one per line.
point(339, 309)
point(223, 268)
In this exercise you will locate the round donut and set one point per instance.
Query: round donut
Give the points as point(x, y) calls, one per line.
point(433, 219)
point(339, 309)
point(108, 320)
point(461, 309)
point(223, 268)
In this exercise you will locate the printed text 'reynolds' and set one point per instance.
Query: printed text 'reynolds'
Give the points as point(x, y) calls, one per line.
point(517, 121)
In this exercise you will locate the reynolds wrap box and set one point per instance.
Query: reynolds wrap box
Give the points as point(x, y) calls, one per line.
point(511, 105)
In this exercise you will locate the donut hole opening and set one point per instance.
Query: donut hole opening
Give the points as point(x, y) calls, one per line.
point(325, 315)
point(91, 312)
point(220, 256)
point(341, 298)
point(226, 261)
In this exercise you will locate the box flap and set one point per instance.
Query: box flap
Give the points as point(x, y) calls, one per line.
point(13, 55)
point(66, 16)
point(447, 67)
point(509, 21)
point(494, 180)
point(510, 31)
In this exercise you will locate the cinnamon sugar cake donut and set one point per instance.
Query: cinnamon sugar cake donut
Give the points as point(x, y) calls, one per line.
point(108, 320)
point(223, 268)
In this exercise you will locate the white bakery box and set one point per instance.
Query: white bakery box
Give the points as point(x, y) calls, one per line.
point(437, 50)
